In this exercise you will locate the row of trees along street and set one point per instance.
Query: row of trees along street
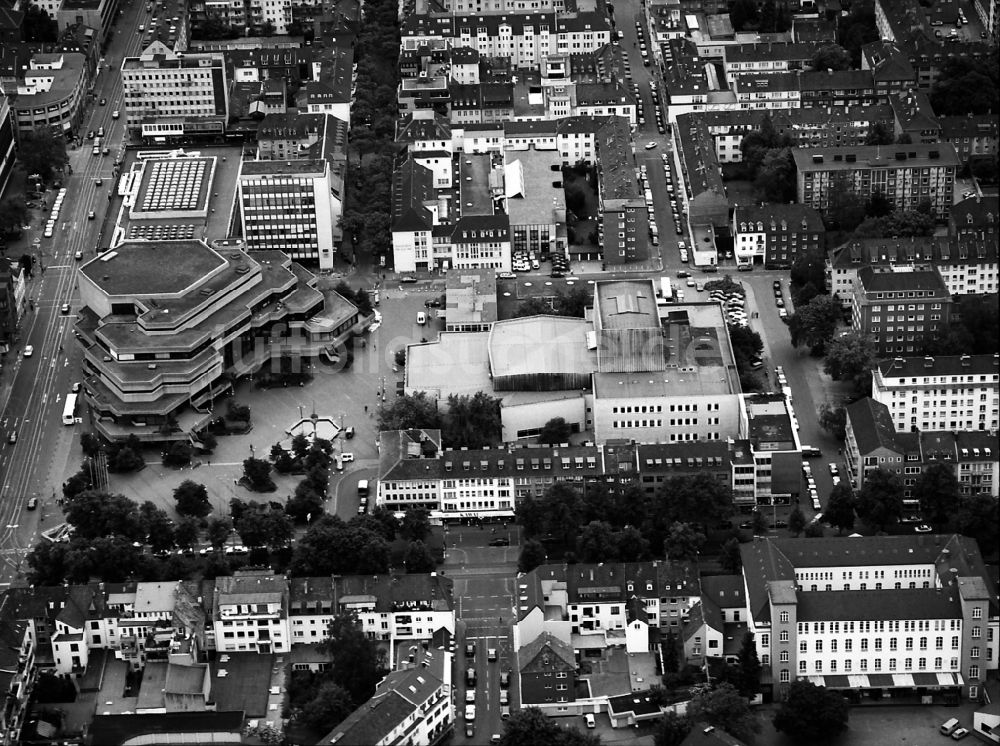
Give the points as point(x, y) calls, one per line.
point(373, 127)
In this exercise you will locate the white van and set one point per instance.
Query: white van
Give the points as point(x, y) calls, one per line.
point(949, 726)
point(421, 318)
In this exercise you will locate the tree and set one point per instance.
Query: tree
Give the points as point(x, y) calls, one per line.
point(157, 526)
point(977, 518)
point(597, 543)
point(13, 214)
point(530, 727)
point(264, 526)
point(724, 708)
point(534, 306)
point(363, 301)
point(410, 411)
point(880, 501)
point(857, 29)
point(328, 708)
point(238, 412)
point(472, 421)
point(357, 664)
point(839, 511)
point(38, 26)
point(42, 153)
point(831, 57)
point(699, 500)
point(939, 494)
point(554, 432)
point(879, 134)
point(218, 531)
point(683, 541)
point(812, 714)
point(775, 180)
point(966, 85)
point(300, 447)
point(632, 545)
point(743, 14)
point(759, 522)
point(186, 532)
point(257, 475)
point(94, 514)
point(672, 730)
point(756, 145)
point(418, 558)
point(750, 668)
point(192, 499)
point(416, 524)
point(851, 357)
point(178, 454)
point(833, 420)
point(331, 547)
point(796, 521)
point(845, 209)
point(730, 557)
point(815, 323)
point(48, 564)
point(306, 504)
point(533, 554)
point(897, 224)
point(125, 456)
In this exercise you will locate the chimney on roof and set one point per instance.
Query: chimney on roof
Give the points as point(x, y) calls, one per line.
point(966, 361)
point(928, 362)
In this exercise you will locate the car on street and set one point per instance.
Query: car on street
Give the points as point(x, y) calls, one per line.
point(959, 734)
point(91, 215)
point(650, 145)
point(346, 457)
point(98, 181)
point(29, 350)
point(504, 679)
point(115, 114)
point(76, 388)
point(501, 541)
point(408, 279)
point(683, 274)
point(923, 528)
point(491, 655)
point(834, 471)
point(32, 503)
point(65, 309)
point(470, 712)
point(78, 255)
point(779, 524)
point(12, 438)
point(470, 649)
point(470, 696)
point(507, 276)
point(470, 729)
point(432, 303)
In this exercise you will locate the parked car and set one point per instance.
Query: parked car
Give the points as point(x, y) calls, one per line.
point(347, 457)
point(408, 279)
point(29, 350)
point(32, 503)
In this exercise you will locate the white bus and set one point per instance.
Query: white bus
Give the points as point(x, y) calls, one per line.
point(69, 411)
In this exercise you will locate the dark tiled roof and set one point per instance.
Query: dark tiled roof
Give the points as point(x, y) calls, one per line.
point(940, 365)
point(797, 218)
point(546, 653)
point(873, 281)
point(918, 603)
point(872, 426)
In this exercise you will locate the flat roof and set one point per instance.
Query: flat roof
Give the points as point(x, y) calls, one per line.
point(474, 183)
point(626, 304)
point(456, 363)
point(136, 268)
point(540, 345)
point(533, 196)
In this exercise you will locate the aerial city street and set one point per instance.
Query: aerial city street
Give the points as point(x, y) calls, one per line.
point(419, 373)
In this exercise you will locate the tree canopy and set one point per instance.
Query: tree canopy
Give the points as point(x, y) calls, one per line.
point(814, 324)
point(831, 57)
point(966, 85)
point(332, 547)
point(897, 224)
point(42, 153)
point(530, 727)
point(880, 501)
point(416, 410)
point(192, 499)
point(472, 421)
point(554, 432)
point(850, 357)
point(812, 714)
point(724, 708)
point(938, 492)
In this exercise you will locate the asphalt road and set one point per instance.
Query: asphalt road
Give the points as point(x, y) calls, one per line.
point(34, 465)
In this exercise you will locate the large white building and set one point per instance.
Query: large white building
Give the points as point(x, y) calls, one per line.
point(947, 392)
point(291, 198)
point(873, 617)
point(170, 95)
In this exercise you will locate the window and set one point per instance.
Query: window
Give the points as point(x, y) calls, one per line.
point(784, 615)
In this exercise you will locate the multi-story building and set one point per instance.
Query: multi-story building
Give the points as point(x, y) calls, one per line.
point(167, 28)
point(890, 67)
point(767, 58)
point(626, 225)
point(968, 266)
point(905, 174)
point(8, 140)
point(18, 670)
point(250, 612)
point(946, 392)
point(97, 14)
point(772, 447)
point(414, 704)
point(526, 38)
point(12, 299)
point(913, 117)
point(695, 161)
point(775, 235)
point(169, 355)
point(774, 92)
point(291, 198)
point(873, 443)
point(52, 93)
point(171, 96)
point(471, 299)
point(976, 218)
point(971, 135)
point(899, 310)
point(826, 88)
point(873, 617)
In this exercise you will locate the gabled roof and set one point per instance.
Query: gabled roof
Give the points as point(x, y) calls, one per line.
point(872, 425)
point(412, 185)
point(872, 281)
point(939, 365)
point(546, 654)
point(409, 454)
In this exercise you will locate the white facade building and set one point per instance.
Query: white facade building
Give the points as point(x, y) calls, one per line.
point(955, 392)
